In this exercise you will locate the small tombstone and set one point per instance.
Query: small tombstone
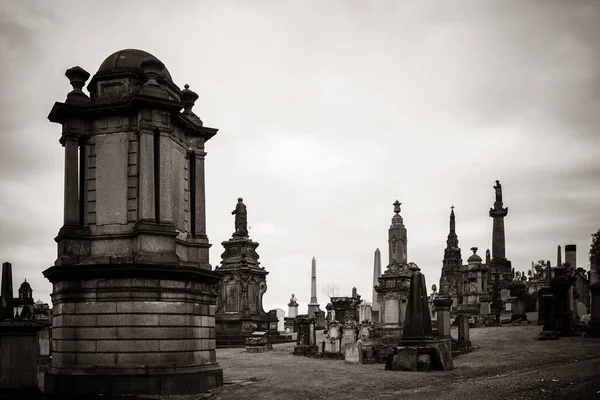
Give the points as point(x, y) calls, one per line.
point(258, 342)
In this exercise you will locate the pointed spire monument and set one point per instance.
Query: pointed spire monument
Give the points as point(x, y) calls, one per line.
point(313, 306)
point(452, 262)
point(376, 275)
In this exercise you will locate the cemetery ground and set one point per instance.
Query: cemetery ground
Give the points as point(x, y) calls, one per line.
point(508, 362)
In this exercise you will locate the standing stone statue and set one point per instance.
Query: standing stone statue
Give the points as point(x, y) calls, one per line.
point(498, 188)
point(241, 221)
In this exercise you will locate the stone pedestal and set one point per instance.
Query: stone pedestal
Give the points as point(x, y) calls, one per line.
point(133, 289)
point(548, 332)
point(593, 328)
point(306, 344)
point(542, 296)
point(442, 306)
point(562, 315)
point(19, 354)
point(392, 294)
point(464, 341)
point(517, 292)
point(239, 305)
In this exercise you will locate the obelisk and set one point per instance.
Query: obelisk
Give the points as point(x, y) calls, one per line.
point(313, 306)
point(558, 256)
point(6, 292)
point(376, 274)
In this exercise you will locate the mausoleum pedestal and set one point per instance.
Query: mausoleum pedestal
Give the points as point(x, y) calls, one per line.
point(239, 305)
point(133, 290)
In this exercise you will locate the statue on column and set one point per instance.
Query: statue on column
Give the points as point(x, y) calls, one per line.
point(241, 221)
point(498, 188)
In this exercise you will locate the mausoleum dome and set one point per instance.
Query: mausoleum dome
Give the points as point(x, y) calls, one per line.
point(25, 286)
point(474, 259)
point(129, 60)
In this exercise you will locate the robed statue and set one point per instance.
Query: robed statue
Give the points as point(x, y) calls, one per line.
point(498, 188)
point(241, 221)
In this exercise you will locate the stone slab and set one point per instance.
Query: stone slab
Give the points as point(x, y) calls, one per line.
point(353, 353)
point(404, 359)
point(391, 311)
point(549, 335)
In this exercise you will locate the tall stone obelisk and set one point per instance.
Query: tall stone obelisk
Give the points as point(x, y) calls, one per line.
point(499, 264)
point(313, 306)
point(558, 256)
point(376, 274)
point(6, 293)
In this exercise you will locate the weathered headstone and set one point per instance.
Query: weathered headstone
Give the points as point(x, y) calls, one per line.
point(562, 316)
point(306, 344)
point(258, 342)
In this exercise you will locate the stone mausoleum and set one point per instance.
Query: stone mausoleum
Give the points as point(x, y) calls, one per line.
point(133, 291)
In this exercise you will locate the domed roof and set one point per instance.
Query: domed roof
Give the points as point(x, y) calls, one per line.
point(25, 286)
point(129, 60)
point(474, 257)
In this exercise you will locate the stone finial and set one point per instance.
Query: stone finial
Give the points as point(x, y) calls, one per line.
point(77, 78)
point(397, 205)
point(152, 69)
point(474, 250)
point(188, 98)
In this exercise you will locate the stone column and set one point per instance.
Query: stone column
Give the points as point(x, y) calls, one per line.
point(376, 275)
point(442, 308)
point(165, 180)
point(464, 341)
point(200, 212)
point(313, 306)
point(71, 210)
point(146, 211)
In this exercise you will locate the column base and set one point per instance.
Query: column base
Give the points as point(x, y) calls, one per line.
point(58, 386)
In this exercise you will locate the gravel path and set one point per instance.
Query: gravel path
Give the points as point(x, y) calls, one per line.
point(508, 363)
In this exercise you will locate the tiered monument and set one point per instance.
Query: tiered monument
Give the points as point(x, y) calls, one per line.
point(392, 290)
point(133, 291)
point(239, 304)
point(500, 268)
point(452, 263)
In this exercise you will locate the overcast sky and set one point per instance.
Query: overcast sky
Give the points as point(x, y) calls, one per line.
point(327, 113)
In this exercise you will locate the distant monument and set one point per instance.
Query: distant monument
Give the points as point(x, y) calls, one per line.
point(392, 290)
point(452, 262)
point(314, 310)
point(499, 267)
point(132, 284)
point(376, 274)
point(239, 303)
